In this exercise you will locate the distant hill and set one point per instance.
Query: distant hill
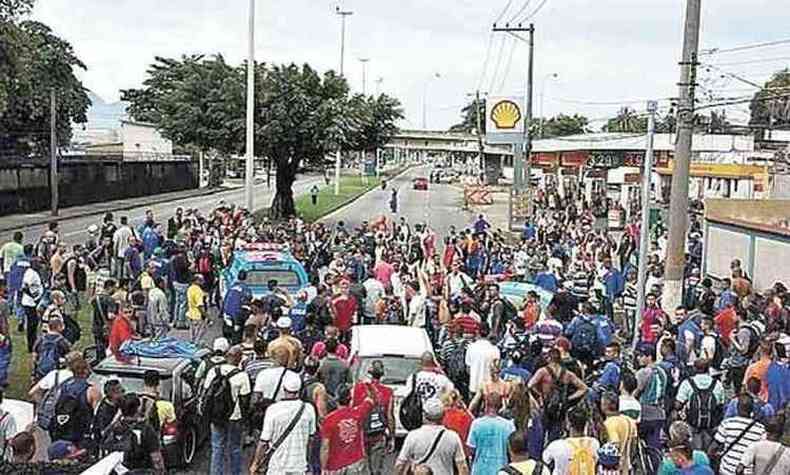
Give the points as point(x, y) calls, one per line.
point(105, 115)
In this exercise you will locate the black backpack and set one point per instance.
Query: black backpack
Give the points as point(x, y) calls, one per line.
point(457, 370)
point(703, 411)
point(509, 311)
point(217, 403)
point(126, 436)
point(584, 340)
point(376, 422)
point(556, 404)
point(149, 411)
point(73, 415)
point(411, 407)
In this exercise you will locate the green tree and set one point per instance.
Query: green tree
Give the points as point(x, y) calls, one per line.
point(34, 62)
point(770, 107)
point(563, 125)
point(469, 113)
point(627, 120)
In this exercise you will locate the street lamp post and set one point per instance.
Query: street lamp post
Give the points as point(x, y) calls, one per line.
point(425, 100)
point(343, 14)
point(250, 152)
point(364, 62)
point(542, 91)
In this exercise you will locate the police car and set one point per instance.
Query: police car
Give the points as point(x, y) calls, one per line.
point(263, 263)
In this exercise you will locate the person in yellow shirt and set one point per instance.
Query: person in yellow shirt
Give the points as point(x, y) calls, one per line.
point(151, 400)
point(196, 308)
point(622, 430)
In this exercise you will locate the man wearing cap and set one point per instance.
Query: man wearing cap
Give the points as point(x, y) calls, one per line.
point(416, 450)
point(290, 456)
point(226, 440)
point(287, 343)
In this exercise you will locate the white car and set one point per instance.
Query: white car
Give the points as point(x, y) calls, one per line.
point(398, 347)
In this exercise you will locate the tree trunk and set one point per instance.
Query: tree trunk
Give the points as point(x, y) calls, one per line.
point(283, 203)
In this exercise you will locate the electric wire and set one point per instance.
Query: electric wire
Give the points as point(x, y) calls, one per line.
point(504, 10)
point(534, 12)
point(498, 63)
point(712, 51)
point(484, 69)
point(520, 11)
point(513, 47)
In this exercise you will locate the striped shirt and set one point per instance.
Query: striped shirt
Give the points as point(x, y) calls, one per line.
point(728, 432)
point(581, 286)
point(629, 297)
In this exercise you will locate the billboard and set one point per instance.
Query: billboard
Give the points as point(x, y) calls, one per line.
point(504, 119)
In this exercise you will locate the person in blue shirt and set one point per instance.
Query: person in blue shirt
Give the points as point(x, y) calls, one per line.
point(609, 380)
point(727, 296)
point(481, 225)
point(763, 410)
point(488, 438)
point(778, 378)
point(236, 308)
point(529, 232)
point(614, 284)
point(546, 279)
point(517, 371)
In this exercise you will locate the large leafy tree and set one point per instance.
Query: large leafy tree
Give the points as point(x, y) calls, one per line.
point(469, 114)
point(563, 125)
point(33, 63)
point(770, 107)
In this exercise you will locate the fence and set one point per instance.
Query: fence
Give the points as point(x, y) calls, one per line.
point(24, 184)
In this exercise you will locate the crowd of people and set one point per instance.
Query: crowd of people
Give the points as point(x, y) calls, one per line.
point(546, 382)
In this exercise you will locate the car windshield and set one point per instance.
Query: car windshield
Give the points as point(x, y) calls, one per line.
point(133, 383)
point(284, 278)
point(396, 369)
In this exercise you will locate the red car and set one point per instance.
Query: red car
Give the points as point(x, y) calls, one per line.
point(421, 183)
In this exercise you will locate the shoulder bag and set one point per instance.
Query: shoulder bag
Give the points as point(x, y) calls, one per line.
point(264, 464)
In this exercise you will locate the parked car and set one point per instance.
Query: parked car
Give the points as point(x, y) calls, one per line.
point(180, 441)
point(420, 183)
point(398, 347)
point(265, 262)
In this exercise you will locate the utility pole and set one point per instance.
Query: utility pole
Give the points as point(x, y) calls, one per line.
point(480, 147)
point(364, 62)
point(53, 152)
point(644, 235)
point(679, 199)
point(338, 155)
point(249, 169)
point(522, 174)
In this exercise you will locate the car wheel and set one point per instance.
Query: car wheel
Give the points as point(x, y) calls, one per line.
point(188, 446)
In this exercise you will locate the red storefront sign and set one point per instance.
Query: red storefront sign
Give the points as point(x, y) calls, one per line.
point(544, 159)
point(574, 159)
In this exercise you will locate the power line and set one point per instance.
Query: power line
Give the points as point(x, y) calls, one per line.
point(755, 61)
point(513, 47)
point(712, 51)
point(520, 11)
point(535, 11)
point(484, 69)
point(607, 103)
point(498, 62)
point(507, 7)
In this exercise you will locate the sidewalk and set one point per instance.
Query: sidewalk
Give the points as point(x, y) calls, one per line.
point(16, 221)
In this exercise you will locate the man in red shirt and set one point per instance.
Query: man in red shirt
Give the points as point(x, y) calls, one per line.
point(122, 329)
point(343, 435)
point(726, 321)
point(383, 272)
point(468, 324)
point(344, 307)
point(380, 434)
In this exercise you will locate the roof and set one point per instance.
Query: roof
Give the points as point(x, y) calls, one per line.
point(629, 141)
point(162, 365)
point(379, 340)
point(771, 216)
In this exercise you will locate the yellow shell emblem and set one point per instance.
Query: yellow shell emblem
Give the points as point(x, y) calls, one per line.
point(506, 114)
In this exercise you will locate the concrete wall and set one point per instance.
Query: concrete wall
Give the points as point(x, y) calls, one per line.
point(24, 187)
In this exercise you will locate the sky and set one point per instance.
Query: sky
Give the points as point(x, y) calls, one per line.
point(432, 53)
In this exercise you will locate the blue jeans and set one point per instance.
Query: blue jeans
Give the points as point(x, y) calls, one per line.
point(180, 313)
point(650, 432)
point(226, 440)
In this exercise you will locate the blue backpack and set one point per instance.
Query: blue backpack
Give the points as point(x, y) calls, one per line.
point(689, 325)
point(604, 330)
point(48, 354)
point(584, 341)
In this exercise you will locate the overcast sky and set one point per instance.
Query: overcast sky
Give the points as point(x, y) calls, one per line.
point(603, 51)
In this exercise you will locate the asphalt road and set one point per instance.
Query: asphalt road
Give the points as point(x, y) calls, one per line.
point(439, 206)
point(73, 231)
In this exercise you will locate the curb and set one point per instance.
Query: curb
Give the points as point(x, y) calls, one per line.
point(83, 214)
point(341, 207)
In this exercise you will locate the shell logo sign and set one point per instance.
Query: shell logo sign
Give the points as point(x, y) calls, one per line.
point(504, 120)
point(506, 114)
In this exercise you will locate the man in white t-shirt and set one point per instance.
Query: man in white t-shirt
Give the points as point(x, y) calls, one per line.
point(431, 381)
point(290, 456)
point(479, 356)
point(226, 440)
point(54, 377)
point(561, 451)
